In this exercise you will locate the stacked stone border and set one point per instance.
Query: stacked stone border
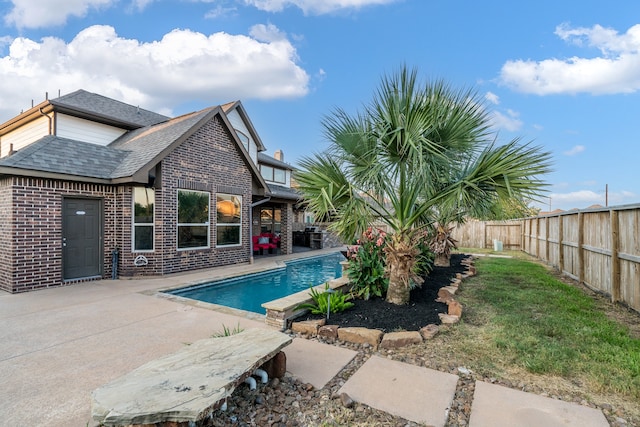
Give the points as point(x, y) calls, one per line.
point(380, 340)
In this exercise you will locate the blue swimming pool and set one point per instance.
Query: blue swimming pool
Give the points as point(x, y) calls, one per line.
point(251, 291)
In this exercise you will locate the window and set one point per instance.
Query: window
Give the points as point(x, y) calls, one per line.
point(143, 211)
point(279, 175)
point(193, 219)
point(228, 219)
point(270, 220)
point(243, 138)
point(273, 174)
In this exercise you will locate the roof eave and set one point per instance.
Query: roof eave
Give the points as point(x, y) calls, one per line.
point(26, 117)
point(9, 171)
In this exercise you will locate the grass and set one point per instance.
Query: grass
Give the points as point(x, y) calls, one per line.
point(521, 317)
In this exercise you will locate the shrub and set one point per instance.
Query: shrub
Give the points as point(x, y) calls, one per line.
point(367, 265)
point(425, 259)
point(338, 301)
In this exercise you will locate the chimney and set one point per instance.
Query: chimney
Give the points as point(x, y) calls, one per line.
point(279, 155)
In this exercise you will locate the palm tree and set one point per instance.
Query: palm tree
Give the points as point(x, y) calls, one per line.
point(416, 149)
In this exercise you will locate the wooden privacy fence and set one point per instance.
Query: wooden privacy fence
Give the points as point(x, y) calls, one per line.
point(481, 234)
point(597, 247)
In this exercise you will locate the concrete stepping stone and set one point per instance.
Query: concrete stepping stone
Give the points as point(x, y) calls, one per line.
point(412, 392)
point(316, 363)
point(495, 405)
point(186, 385)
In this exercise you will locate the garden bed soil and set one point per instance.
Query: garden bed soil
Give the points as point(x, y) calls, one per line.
point(422, 309)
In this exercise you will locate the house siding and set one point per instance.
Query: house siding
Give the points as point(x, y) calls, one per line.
point(25, 135)
point(207, 161)
point(85, 130)
point(33, 230)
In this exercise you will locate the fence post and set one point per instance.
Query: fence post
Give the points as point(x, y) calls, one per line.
point(547, 239)
point(538, 237)
point(580, 251)
point(560, 247)
point(615, 261)
point(484, 235)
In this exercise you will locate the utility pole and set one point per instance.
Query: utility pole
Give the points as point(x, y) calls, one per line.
point(606, 195)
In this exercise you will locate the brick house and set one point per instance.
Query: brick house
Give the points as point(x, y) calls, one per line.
point(94, 188)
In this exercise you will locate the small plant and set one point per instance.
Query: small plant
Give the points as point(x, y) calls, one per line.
point(367, 265)
point(226, 332)
point(337, 301)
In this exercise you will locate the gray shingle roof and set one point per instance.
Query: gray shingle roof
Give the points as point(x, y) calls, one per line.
point(122, 158)
point(66, 156)
point(143, 145)
point(82, 101)
point(281, 192)
point(126, 159)
point(268, 160)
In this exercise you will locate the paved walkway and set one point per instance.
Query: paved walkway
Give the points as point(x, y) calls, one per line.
point(58, 345)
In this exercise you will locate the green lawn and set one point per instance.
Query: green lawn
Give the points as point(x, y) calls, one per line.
point(520, 320)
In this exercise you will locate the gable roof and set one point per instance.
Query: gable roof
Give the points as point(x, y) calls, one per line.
point(100, 108)
point(127, 159)
point(239, 108)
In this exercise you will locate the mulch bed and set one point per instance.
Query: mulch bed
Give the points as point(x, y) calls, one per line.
point(422, 308)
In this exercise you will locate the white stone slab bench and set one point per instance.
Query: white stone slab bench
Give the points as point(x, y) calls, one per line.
point(188, 385)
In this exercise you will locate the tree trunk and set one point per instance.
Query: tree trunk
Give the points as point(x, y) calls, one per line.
point(401, 258)
point(442, 260)
point(398, 291)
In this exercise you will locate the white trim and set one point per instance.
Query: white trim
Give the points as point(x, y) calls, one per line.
point(179, 224)
point(145, 224)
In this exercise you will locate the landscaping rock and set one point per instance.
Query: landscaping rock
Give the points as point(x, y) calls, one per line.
point(429, 331)
point(307, 327)
point(400, 339)
point(444, 295)
point(359, 335)
point(329, 332)
point(346, 400)
point(448, 319)
point(455, 308)
point(452, 289)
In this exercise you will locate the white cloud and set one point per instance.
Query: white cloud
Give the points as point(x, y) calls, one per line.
point(575, 150)
point(314, 7)
point(616, 70)
point(508, 121)
point(576, 199)
point(584, 198)
point(492, 98)
point(141, 4)
point(39, 13)
point(220, 11)
point(182, 66)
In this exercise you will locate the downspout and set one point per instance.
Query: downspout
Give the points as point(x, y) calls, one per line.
point(50, 121)
point(253, 205)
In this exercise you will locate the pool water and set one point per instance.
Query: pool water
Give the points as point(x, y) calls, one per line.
point(251, 291)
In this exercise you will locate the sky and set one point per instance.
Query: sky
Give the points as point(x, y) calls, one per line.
point(562, 75)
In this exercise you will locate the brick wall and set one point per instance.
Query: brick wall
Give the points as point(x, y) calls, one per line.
point(33, 234)
point(31, 216)
point(6, 234)
point(207, 161)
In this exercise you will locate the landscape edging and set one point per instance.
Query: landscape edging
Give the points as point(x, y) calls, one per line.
point(310, 328)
